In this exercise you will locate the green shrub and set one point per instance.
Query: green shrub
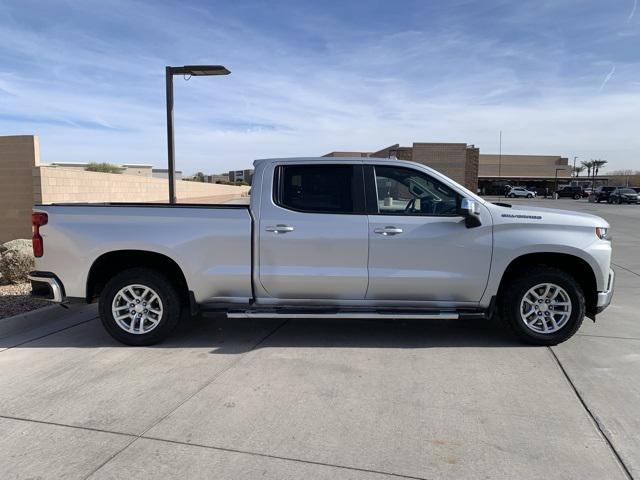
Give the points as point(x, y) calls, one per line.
point(103, 167)
point(16, 260)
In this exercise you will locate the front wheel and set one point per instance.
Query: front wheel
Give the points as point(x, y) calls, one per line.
point(577, 196)
point(529, 196)
point(139, 306)
point(543, 306)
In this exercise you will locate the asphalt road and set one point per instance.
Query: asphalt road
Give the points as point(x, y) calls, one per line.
point(326, 398)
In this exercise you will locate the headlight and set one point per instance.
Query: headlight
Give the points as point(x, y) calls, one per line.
point(603, 233)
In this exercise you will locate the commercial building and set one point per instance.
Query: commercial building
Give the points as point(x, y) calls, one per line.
point(487, 173)
point(458, 161)
point(164, 173)
point(240, 176)
point(538, 172)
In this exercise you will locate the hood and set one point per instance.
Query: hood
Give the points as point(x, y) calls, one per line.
point(529, 214)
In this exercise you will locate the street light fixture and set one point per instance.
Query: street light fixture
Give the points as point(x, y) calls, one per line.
point(191, 70)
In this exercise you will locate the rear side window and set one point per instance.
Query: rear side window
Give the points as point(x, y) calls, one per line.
point(316, 188)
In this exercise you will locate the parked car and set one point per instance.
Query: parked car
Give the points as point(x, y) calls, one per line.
point(636, 189)
point(602, 193)
point(347, 238)
point(623, 195)
point(571, 192)
point(520, 192)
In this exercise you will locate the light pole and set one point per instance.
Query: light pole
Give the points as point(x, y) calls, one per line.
point(574, 166)
point(500, 157)
point(556, 187)
point(194, 71)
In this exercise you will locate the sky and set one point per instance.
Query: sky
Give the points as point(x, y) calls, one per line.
point(558, 77)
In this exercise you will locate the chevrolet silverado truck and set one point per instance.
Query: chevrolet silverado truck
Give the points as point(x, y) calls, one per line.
point(346, 238)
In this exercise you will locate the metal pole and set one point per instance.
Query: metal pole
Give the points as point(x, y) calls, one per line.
point(500, 157)
point(170, 138)
point(574, 166)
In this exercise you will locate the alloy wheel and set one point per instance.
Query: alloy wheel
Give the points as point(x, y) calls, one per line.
point(137, 309)
point(545, 308)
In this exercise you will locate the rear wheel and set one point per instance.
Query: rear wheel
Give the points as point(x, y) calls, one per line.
point(577, 196)
point(544, 306)
point(139, 306)
point(512, 195)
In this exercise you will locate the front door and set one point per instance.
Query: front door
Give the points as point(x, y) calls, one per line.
point(420, 248)
point(313, 233)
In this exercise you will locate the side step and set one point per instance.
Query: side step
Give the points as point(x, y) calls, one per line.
point(353, 315)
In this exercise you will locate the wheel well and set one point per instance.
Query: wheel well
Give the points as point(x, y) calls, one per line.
point(579, 269)
point(112, 263)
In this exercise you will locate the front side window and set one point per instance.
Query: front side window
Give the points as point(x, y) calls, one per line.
point(403, 191)
point(316, 188)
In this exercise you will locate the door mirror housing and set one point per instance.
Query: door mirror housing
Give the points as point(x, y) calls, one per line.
point(471, 213)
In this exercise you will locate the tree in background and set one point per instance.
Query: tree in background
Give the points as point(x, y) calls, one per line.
point(578, 170)
point(588, 164)
point(197, 177)
point(597, 165)
point(103, 167)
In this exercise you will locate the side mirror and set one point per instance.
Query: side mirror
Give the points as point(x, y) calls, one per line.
point(471, 213)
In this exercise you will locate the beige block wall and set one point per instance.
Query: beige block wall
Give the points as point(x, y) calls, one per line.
point(23, 182)
point(18, 155)
point(62, 185)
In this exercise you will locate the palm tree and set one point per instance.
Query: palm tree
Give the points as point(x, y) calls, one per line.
point(598, 164)
point(588, 164)
point(578, 170)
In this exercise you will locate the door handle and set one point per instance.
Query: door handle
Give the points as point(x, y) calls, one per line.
point(279, 229)
point(388, 231)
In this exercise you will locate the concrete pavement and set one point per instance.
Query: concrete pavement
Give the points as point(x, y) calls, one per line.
point(326, 398)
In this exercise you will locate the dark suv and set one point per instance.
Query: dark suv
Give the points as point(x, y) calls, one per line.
point(602, 193)
point(623, 195)
point(571, 192)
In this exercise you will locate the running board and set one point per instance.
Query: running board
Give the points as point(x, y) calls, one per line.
point(352, 315)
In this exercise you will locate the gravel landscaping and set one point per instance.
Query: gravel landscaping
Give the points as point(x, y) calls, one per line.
point(15, 299)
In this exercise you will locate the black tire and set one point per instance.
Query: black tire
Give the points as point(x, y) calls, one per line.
point(512, 296)
point(529, 196)
point(166, 291)
point(512, 195)
point(577, 196)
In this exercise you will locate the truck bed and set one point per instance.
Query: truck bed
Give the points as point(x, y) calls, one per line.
point(211, 243)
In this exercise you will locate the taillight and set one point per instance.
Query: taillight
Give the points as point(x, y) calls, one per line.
point(37, 220)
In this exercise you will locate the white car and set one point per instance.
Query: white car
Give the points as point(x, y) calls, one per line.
point(520, 192)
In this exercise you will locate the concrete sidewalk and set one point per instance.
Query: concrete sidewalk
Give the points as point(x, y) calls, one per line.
point(324, 398)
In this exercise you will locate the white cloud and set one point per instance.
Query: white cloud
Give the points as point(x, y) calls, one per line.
point(100, 97)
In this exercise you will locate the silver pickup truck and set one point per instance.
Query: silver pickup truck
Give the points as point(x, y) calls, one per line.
point(348, 238)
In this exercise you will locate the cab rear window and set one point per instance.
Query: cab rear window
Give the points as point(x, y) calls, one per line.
point(315, 188)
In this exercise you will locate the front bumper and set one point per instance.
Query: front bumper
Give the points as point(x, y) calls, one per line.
point(604, 298)
point(46, 286)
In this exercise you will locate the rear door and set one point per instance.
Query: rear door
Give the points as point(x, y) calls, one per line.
point(313, 232)
point(419, 246)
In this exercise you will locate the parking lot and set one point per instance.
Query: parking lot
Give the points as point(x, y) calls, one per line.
point(328, 398)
